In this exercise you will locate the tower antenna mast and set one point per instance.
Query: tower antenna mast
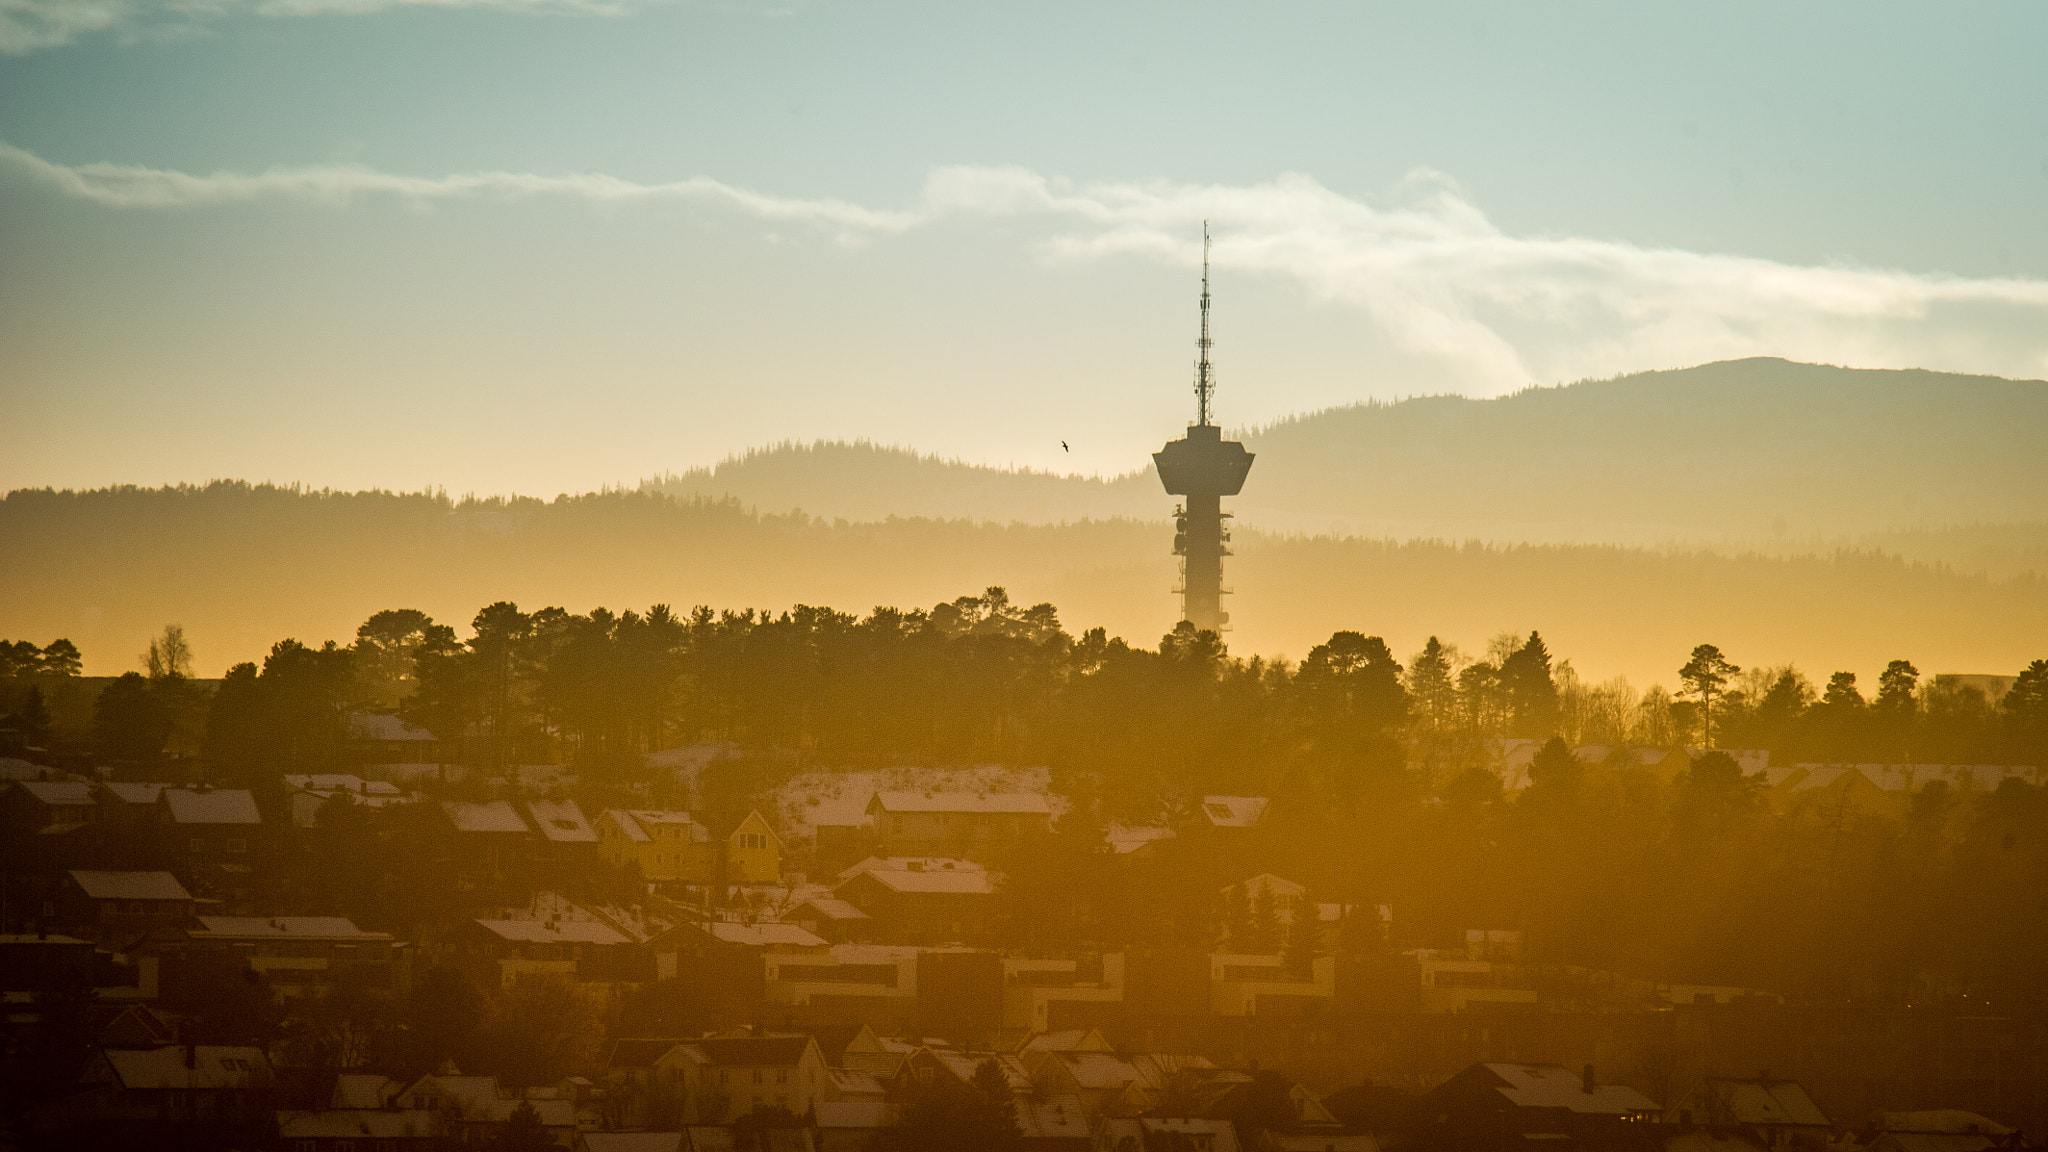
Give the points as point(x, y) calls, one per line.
point(1205, 381)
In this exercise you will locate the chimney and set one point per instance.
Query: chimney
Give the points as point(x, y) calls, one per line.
point(1586, 1080)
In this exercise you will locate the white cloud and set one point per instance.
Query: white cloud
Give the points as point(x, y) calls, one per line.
point(1432, 273)
point(30, 25)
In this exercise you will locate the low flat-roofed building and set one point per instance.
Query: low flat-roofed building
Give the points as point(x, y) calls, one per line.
point(303, 955)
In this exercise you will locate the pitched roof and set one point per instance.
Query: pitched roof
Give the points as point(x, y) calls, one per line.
point(562, 821)
point(1766, 1102)
point(637, 1052)
point(963, 883)
point(213, 1066)
point(555, 932)
point(1030, 803)
point(910, 864)
point(496, 816)
point(635, 822)
point(53, 792)
point(130, 885)
point(1099, 1069)
point(762, 935)
point(1234, 811)
point(729, 1051)
point(283, 928)
point(1056, 1117)
point(832, 908)
point(1556, 1086)
point(211, 806)
point(132, 793)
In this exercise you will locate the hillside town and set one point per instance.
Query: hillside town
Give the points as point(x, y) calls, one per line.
point(350, 964)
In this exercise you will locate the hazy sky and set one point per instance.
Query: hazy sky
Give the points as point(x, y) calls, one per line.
point(545, 245)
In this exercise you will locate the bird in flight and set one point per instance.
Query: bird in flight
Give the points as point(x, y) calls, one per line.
point(1064, 448)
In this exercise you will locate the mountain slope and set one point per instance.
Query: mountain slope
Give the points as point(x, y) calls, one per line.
point(1747, 448)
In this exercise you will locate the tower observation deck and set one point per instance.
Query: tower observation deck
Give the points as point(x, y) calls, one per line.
point(1202, 468)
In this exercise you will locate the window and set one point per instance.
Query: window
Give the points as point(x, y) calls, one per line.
point(237, 844)
point(198, 844)
point(782, 1075)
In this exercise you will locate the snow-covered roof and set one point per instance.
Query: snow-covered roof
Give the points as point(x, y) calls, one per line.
point(212, 1066)
point(1556, 1086)
point(1234, 811)
point(963, 882)
point(130, 885)
point(562, 821)
point(764, 935)
point(496, 816)
point(58, 792)
point(212, 806)
point(1016, 802)
point(284, 928)
point(555, 932)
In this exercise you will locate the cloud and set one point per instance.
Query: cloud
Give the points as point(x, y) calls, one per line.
point(31, 25)
point(1431, 273)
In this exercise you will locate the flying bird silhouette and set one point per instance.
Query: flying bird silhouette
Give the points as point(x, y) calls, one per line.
point(1064, 448)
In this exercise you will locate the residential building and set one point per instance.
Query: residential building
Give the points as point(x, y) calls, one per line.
point(727, 1077)
point(305, 955)
point(974, 825)
point(1775, 1113)
point(45, 807)
point(190, 1095)
point(214, 837)
point(669, 847)
point(502, 952)
point(121, 905)
point(1234, 811)
point(1040, 995)
point(1498, 1105)
point(305, 795)
point(920, 900)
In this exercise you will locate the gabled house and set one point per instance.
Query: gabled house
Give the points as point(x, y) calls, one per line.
point(1533, 1105)
point(752, 852)
point(124, 905)
point(833, 919)
point(487, 840)
point(1144, 1134)
point(920, 900)
point(305, 795)
point(565, 832)
point(669, 846)
point(975, 825)
point(1775, 1113)
point(502, 952)
point(473, 1110)
point(45, 807)
point(727, 1077)
point(186, 1095)
point(214, 837)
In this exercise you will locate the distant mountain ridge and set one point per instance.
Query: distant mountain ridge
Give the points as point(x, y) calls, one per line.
point(1756, 448)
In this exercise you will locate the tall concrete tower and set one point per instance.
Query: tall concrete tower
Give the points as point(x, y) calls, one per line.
point(1203, 468)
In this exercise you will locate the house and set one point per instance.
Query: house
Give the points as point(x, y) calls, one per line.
point(920, 899)
point(727, 1077)
point(34, 966)
point(752, 852)
point(305, 795)
point(488, 840)
point(304, 955)
point(354, 1129)
point(191, 1095)
point(668, 846)
point(474, 1109)
point(122, 905)
point(214, 836)
point(643, 1080)
point(833, 919)
point(45, 807)
point(1234, 811)
point(502, 952)
point(1098, 1080)
point(1939, 1130)
point(566, 835)
point(376, 738)
point(975, 825)
point(1533, 1105)
point(1141, 1134)
point(1772, 1112)
point(127, 804)
point(676, 949)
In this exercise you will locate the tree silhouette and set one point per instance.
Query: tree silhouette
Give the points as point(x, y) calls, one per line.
point(1705, 675)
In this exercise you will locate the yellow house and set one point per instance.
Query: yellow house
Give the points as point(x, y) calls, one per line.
point(753, 852)
point(672, 847)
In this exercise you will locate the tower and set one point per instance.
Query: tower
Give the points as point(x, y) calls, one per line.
point(1203, 468)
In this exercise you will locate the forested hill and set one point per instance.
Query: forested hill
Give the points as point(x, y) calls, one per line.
point(240, 566)
point(1756, 449)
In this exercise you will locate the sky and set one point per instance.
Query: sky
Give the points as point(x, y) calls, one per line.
point(542, 246)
